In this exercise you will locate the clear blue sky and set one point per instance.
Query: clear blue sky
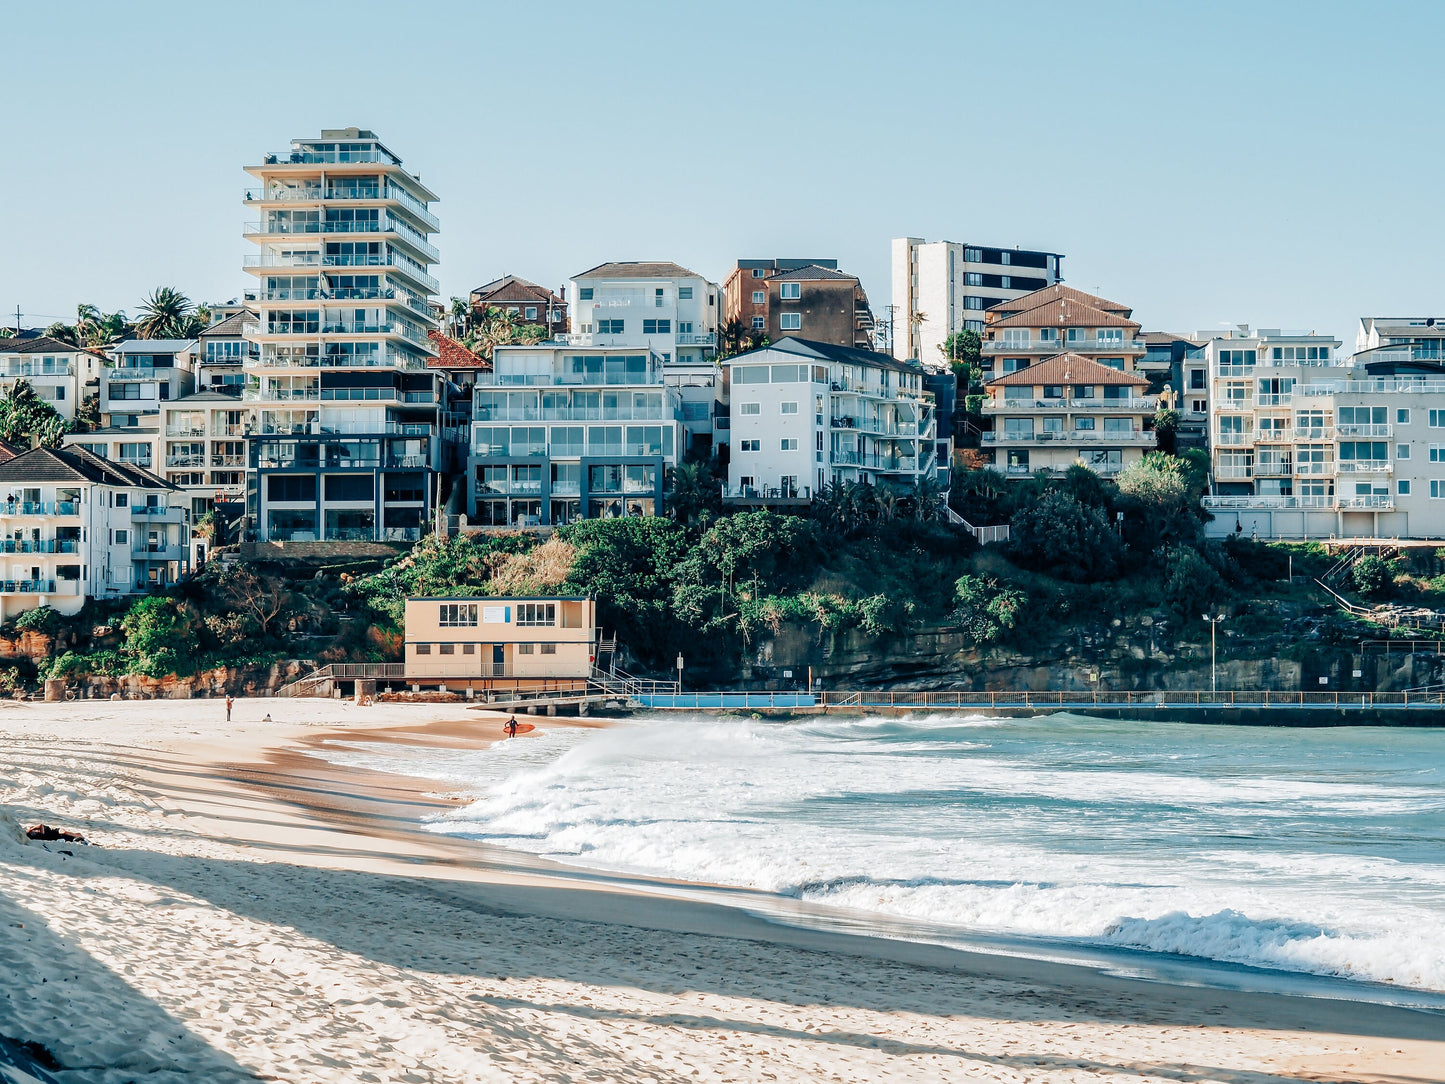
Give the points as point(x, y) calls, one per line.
point(1270, 163)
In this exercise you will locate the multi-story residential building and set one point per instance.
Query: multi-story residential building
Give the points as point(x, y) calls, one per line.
point(59, 372)
point(1064, 410)
point(501, 643)
point(74, 526)
point(348, 443)
point(745, 291)
point(221, 353)
point(137, 446)
point(531, 303)
point(940, 287)
point(204, 450)
point(806, 415)
point(1307, 446)
point(821, 304)
point(144, 374)
point(668, 309)
point(561, 433)
point(1065, 388)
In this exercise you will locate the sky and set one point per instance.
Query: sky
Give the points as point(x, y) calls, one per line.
point(1276, 164)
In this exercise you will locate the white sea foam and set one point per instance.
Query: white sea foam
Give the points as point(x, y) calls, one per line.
point(1254, 847)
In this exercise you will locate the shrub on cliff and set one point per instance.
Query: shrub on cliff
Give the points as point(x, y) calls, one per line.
point(1372, 576)
point(986, 609)
point(1059, 536)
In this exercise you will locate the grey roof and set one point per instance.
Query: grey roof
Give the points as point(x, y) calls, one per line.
point(812, 272)
point(638, 269)
point(118, 431)
point(200, 397)
point(75, 465)
point(154, 346)
point(40, 344)
point(784, 264)
point(229, 328)
point(849, 355)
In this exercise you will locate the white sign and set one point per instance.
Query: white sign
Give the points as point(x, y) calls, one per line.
point(494, 615)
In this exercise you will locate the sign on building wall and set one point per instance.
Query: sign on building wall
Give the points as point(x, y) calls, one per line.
point(495, 615)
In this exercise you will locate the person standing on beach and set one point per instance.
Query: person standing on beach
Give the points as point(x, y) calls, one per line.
point(230, 702)
point(512, 727)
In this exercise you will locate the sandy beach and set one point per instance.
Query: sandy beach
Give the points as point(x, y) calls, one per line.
point(250, 912)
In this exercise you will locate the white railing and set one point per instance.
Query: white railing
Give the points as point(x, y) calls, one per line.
point(1025, 406)
point(1375, 501)
point(1365, 430)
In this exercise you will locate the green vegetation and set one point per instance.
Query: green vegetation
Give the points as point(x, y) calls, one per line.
point(27, 418)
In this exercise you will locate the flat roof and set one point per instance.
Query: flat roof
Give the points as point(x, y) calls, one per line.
point(498, 598)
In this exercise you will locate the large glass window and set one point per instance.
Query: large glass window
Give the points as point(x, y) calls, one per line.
point(458, 615)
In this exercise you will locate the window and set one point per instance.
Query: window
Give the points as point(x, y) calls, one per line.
point(1053, 391)
point(609, 327)
point(536, 614)
point(684, 293)
point(972, 278)
point(750, 408)
point(790, 444)
point(759, 297)
point(121, 499)
point(1196, 379)
point(1402, 451)
point(1083, 424)
point(793, 321)
point(127, 390)
point(524, 649)
point(657, 298)
point(750, 446)
point(448, 649)
point(1437, 453)
point(585, 294)
point(757, 323)
point(684, 327)
point(531, 312)
point(120, 537)
point(657, 327)
point(1402, 487)
point(971, 302)
point(790, 291)
point(757, 272)
point(423, 649)
point(787, 408)
point(1402, 416)
point(469, 649)
point(549, 649)
point(973, 255)
point(1437, 489)
point(458, 615)
point(1048, 334)
point(1110, 334)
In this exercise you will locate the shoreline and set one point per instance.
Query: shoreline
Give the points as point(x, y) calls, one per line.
point(330, 867)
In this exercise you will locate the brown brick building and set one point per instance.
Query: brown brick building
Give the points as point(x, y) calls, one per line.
point(533, 304)
point(809, 298)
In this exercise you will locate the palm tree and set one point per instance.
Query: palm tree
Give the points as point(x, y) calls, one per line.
point(500, 327)
point(166, 314)
point(460, 310)
point(63, 332)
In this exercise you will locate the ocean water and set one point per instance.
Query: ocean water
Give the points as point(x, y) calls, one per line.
point(1318, 851)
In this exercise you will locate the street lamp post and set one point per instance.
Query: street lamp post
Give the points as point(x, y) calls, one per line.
point(1213, 655)
point(679, 671)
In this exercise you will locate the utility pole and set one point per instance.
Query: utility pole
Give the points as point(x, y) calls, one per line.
point(1213, 656)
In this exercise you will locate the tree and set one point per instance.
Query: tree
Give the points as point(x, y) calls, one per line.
point(500, 327)
point(1160, 502)
point(96, 329)
point(1372, 575)
point(159, 635)
point(168, 314)
point(963, 350)
point(1191, 584)
point(986, 609)
point(1061, 537)
point(260, 597)
point(692, 491)
point(1086, 487)
point(734, 337)
point(63, 332)
point(1166, 429)
point(25, 417)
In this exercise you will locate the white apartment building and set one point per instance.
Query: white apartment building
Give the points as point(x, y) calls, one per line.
point(1425, 334)
point(940, 287)
point(58, 371)
point(145, 373)
point(667, 308)
point(561, 433)
point(221, 353)
point(1304, 445)
point(74, 526)
point(806, 415)
point(670, 311)
point(137, 446)
point(348, 443)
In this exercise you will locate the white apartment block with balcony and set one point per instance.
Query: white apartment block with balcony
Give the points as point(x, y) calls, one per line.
point(1304, 445)
point(59, 372)
point(74, 526)
point(221, 353)
point(203, 450)
point(669, 310)
point(348, 443)
point(561, 433)
point(940, 287)
point(143, 375)
point(806, 415)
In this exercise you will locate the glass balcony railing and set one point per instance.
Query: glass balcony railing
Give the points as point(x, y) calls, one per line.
point(28, 587)
point(39, 545)
point(39, 508)
point(343, 155)
point(346, 192)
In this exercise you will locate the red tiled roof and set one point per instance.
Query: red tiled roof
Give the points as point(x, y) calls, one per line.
point(1058, 292)
point(453, 355)
point(1067, 369)
point(512, 288)
point(1064, 312)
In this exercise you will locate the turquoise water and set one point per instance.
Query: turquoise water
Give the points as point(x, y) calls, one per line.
point(1319, 851)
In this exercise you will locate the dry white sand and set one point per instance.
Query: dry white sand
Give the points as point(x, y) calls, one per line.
point(286, 922)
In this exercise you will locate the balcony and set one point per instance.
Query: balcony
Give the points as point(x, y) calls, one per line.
point(17, 369)
point(1274, 468)
point(1365, 430)
point(688, 339)
point(186, 460)
point(1133, 438)
point(1029, 406)
point(312, 157)
point(140, 372)
point(1087, 345)
point(1318, 432)
point(764, 495)
point(261, 231)
point(159, 551)
point(1365, 466)
point(1378, 502)
point(1233, 473)
point(28, 545)
point(345, 192)
point(31, 587)
point(158, 513)
point(39, 508)
point(1324, 469)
